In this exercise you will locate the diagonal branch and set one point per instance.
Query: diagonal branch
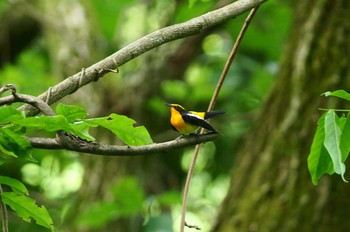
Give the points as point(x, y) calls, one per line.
point(142, 45)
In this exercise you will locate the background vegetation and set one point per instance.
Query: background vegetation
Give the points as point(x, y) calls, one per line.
point(43, 42)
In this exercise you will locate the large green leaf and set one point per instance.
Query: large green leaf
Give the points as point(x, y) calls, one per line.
point(9, 114)
point(124, 128)
point(71, 112)
point(26, 208)
point(60, 122)
point(75, 115)
point(47, 123)
point(120, 125)
point(338, 93)
point(332, 142)
point(319, 161)
point(16, 185)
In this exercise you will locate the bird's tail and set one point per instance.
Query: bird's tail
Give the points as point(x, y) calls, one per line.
point(213, 114)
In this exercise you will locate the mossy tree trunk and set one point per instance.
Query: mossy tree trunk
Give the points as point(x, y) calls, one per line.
point(271, 189)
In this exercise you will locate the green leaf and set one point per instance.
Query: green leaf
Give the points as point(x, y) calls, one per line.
point(81, 129)
point(15, 138)
point(5, 151)
point(332, 142)
point(71, 112)
point(58, 122)
point(27, 209)
point(319, 161)
point(345, 138)
point(13, 144)
point(191, 3)
point(16, 185)
point(338, 93)
point(9, 114)
point(47, 123)
point(124, 128)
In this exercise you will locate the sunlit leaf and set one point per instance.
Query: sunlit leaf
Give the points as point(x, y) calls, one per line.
point(338, 93)
point(319, 162)
point(16, 185)
point(332, 142)
point(47, 123)
point(9, 114)
point(27, 209)
point(124, 128)
point(71, 112)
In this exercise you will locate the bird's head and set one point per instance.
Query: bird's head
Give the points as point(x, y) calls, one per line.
point(176, 107)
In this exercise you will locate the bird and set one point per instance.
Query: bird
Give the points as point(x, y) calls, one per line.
point(187, 122)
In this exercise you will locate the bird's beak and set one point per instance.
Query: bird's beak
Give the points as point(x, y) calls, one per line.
point(168, 104)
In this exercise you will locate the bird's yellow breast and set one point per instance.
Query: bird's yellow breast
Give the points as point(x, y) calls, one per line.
point(181, 126)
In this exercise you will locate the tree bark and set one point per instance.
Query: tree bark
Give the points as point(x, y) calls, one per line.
point(271, 189)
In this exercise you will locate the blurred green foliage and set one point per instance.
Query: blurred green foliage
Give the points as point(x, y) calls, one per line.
point(31, 72)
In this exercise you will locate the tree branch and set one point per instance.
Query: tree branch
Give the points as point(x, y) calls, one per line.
point(115, 150)
point(140, 46)
point(31, 100)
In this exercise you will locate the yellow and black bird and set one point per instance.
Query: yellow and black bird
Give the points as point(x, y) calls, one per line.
point(186, 122)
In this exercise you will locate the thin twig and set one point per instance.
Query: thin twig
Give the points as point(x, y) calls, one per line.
point(4, 218)
point(231, 57)
point(210, 108)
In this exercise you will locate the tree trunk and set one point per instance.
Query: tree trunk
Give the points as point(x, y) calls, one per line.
point(271, 189)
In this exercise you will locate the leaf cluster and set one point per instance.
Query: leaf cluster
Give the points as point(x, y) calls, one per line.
point(23, 205)
point(71, 119)
point(330, 147)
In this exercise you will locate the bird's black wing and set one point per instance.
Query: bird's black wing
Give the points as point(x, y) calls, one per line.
point(198, 121)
